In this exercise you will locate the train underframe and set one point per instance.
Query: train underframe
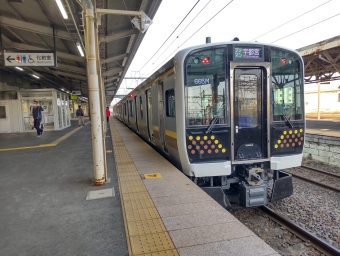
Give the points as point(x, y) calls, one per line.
point(248, 186)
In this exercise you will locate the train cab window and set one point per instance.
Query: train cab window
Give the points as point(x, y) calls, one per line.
point(206, 96)
point(130, 108)
point(141, 106)
point(170, 103)
point(287, 85)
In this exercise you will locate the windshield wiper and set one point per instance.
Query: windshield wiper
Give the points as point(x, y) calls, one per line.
point(212, 124)
point(288, 122)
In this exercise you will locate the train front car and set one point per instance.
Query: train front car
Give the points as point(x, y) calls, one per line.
point(240, 120)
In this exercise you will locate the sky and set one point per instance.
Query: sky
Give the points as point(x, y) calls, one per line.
point(287, 23)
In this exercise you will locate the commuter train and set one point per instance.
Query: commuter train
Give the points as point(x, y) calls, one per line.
point(229, 115)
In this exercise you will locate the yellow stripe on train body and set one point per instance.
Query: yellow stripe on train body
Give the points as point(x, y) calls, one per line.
point(171, 134)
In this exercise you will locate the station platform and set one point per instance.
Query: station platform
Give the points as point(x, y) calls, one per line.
point(147, 208)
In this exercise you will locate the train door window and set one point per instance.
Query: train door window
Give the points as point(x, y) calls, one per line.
point(130, 108)
point(206, 95)
point(141, 106)
point(287, 85)
point(248, 97)
point(124, 109)
point(170, 103)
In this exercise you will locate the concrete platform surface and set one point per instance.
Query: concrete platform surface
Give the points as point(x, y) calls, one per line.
point(43, 193)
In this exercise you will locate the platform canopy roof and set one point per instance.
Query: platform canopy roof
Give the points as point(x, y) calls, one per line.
point(322, 60)
point(32, 24)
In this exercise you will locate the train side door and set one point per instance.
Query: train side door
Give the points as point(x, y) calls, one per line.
point(128, 110)
point(161, 116)
point(249, 115)
point(136, 114)
point(149, 115)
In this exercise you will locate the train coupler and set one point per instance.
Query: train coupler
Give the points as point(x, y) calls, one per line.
point(282, 186)
point(251, 196)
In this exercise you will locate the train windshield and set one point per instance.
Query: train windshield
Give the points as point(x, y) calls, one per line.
point(206, 94)
point(287, 90)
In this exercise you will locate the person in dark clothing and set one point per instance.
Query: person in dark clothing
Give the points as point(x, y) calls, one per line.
point(37, 116)
point(80, 115)
point(108, 114)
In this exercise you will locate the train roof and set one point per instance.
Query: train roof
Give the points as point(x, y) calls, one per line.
point(180, 55)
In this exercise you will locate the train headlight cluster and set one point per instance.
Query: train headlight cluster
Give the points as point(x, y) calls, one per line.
point(290, 138)
point(205, 145)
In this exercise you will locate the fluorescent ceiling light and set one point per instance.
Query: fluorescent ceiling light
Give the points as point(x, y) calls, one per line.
point(80, 49)
point(62, 89)
point(36, 76)
point(62, 9)
point(19, 68)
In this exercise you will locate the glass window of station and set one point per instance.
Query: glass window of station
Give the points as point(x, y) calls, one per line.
point(56, 114)
point(206, 96)
point(287, 85)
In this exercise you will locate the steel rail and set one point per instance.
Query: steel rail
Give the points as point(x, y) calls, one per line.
point(317, 182)
point(316, 242)
point(321, 171)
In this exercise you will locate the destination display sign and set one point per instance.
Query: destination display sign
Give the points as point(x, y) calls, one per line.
point(30, 58)
point(241, 52)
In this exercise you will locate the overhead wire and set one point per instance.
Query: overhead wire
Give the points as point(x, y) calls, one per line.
point(201, 27)
point(291, 20)
point(182, 31)
point(170, 35)
point(305, 28)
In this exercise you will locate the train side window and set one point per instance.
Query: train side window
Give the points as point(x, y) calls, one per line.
point(3, 112)
point(141, 106)
point(170, 103)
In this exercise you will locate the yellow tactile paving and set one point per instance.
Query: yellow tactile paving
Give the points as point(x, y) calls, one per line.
point(136, 196)
point(140, 204)
point(153, 226)
point(129, 177)
point(151, 243)
point(145, 231)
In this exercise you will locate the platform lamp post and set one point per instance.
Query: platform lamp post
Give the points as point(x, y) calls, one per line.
point(142, 22)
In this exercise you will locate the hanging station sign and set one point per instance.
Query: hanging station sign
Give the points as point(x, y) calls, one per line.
point(30, 58)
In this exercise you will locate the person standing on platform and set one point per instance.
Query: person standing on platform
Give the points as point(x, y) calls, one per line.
point(37, 116)
point(108, 114)
point(80, 115)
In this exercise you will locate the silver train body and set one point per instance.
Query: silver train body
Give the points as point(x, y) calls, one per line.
point(229, 115)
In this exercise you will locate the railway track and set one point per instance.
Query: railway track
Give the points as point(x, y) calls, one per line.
point(319, 177)
point(308, 237)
